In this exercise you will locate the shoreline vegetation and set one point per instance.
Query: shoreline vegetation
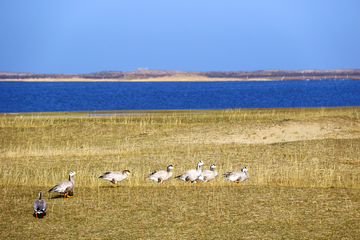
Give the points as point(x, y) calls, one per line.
point(304, 167)
point(146, 75)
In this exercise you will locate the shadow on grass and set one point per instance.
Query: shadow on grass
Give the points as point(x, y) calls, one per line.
point(111, 187)
point(40, 215)
point(61, 196)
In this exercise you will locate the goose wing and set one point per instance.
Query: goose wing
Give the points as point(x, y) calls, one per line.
point(242, 177)
point(39, 206)
point(116, 175)
point(207, 175)
point(232, 176)
point(64, 186)
point(183, 176)
point(190, 175)
point(160, 175)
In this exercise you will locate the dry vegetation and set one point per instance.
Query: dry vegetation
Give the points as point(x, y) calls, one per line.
point(304, 174)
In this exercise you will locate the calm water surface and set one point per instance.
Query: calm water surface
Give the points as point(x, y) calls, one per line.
point(83, 96)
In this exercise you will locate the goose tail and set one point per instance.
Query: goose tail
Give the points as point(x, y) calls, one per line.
point(52, 190)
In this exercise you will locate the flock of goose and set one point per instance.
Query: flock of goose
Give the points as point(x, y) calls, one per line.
point(190, 176)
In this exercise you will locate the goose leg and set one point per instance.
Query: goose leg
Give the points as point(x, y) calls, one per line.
point(187, 184)
point(113, 182)
point(67, 196)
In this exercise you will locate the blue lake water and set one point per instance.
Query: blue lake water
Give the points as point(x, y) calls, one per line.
point(84, 96)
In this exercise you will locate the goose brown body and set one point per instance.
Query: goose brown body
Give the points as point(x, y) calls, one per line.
point(65, 186)
point(162, 175)
point(208, 175)
point(191, 175)
point(115, 176)
point(237, 176)
point(39, 206)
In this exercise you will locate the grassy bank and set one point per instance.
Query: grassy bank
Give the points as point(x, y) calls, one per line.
point(307, 188)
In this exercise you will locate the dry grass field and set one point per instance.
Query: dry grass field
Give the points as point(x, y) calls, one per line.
point(304, 174)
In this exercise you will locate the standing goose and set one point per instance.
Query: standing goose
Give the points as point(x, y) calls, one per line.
point(237, 176)
point(115, 176)
point(39, 206)
point(208, 175)
point(65, 186)
point(191, 175)
point(162, 175)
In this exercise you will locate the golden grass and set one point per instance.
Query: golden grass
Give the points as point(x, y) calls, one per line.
point(300, 189)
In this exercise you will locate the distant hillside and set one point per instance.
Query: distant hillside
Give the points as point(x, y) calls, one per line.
point(241, 75)
point(279, 74)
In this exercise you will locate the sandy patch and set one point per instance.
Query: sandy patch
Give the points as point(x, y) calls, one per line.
point(282, 131)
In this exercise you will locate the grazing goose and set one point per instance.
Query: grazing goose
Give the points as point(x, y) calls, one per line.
point(115, 176)
point(191, 175)
point(39, 206)
point(208, 175)
point(162, 175)
point(65, 186)
point(237, 176)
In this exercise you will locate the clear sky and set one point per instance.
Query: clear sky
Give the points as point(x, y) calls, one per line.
point(87, 36)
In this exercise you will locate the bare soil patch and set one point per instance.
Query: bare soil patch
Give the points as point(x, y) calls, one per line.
point(280, 131)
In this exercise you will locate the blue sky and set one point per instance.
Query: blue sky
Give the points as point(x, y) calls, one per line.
point(91, 36)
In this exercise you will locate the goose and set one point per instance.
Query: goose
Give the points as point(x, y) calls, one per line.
point(191, 175)
point(40, 206)
point(162, 175)
point(237, 176)
point(115, 176)
point(208, 175)
point(65, 186)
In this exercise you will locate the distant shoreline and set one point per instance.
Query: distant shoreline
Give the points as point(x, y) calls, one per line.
point(171, 79)
point(148, 75)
